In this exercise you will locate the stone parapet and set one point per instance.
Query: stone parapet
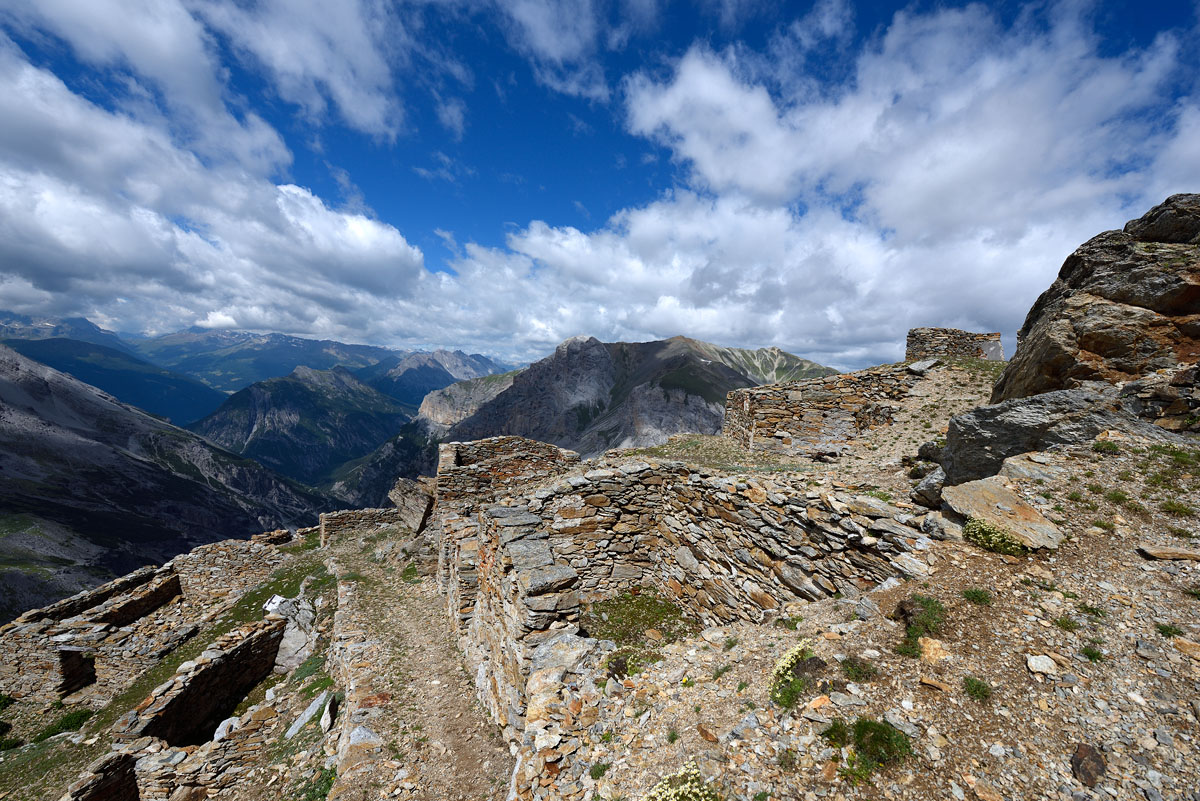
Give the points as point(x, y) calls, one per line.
point(818, 415)
point(335, 523)
point(952, 343)
point(518, 571)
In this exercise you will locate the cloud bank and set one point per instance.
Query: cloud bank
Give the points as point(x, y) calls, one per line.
point(937, 177)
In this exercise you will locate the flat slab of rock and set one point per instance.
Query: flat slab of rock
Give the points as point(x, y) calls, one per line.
point(1168, 553)
point(990, 500)
point(1030, 466)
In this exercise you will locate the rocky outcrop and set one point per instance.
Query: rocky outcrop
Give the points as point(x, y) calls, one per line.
point(1125, 304)
point(978, 442)
point(444, 408)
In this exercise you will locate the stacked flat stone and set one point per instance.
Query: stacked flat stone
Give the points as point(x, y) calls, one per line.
point(517, 570)
point(952, 343)
point(815, 416)
point(335, 523)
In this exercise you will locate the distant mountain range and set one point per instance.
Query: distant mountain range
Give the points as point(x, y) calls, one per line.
point(179, 398)
point(233, 360)
point(590, 396)
point(306, 424)
point(92, 487)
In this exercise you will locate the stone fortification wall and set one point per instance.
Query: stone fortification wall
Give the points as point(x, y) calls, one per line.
point(470, 472)
point(726, 548)
point(166, 747)
point(817, 415)
point(103, 639)
point(220, 571)
point(334, 523)
point(187, 708)
point(952, 343)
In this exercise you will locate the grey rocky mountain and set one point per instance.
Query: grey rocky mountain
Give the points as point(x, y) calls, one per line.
point(590, 396)
point(408, 379)
point(92, 487)
point(305, 425)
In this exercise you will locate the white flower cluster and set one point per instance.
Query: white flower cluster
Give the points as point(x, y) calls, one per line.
point(783, 669)
point(686, 785)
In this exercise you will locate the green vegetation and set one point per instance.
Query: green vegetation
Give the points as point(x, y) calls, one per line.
point(730, 643)
point(924, 616)
point(1104, 524)
point(875, 743)
point(672, 736)
point(977, 688)
point(625, 618)
point(598, 770)
point(410, 574)
point(1177, 508)
point(1106, 447)
point(1092, 653)
point(1091, 611)
point(318, 786)
point(858, 669)
point(977, 596)
point(72, 721)
point(6, 701)
point(1193, 591)
point(1117, 496)
point(993, 538)
point(1167, 630)
point(1075, 496)
point(1066, 624)
point(721, 671)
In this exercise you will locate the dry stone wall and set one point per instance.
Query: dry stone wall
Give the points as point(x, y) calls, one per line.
point(726, 548)
point(817, 415)
point(335, 523)
point(187, 708)
point(103, 639)
point(952, 343)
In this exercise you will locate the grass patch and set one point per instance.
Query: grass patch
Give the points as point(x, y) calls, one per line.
point(923, 616)
point(1167, 630)
point(1104, 524)
point(858, 670)
point(624, 619)
point(978, 689)
point(672, 736)
point(1107, 447)
point(1193, 591)
point(730, 644)
point(598, 770)
point(977, 596)
point(1067, 624)
point(875, 744)
point(1091, 611)
point(1177, 509)
point(318, 786)
point(410, 574)
point(72, 721)
point(1092, 653)
point(6, 701)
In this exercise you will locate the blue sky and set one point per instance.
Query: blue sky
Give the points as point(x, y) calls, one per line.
point(500, 176)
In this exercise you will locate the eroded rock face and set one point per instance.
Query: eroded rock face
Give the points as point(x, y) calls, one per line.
point(1125, 304)
point(978, 441)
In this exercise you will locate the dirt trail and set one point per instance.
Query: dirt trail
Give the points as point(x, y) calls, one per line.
point(442, 738)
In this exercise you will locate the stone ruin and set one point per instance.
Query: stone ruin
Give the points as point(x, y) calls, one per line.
point(527, 537)
point(952, 343)
point(816, 416)
point(821, 416)
point(99, 641)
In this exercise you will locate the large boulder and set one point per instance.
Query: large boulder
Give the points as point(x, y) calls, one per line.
point(415, 500)
point(1125, 304)
point(978, 441)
